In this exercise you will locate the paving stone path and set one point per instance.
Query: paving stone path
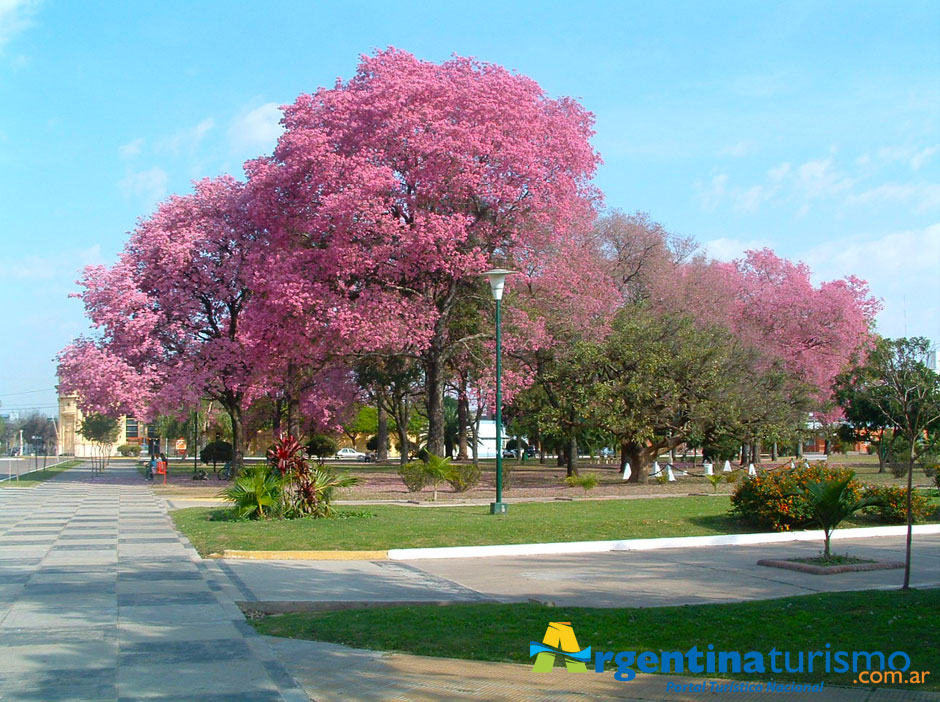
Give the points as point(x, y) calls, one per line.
point(102, 600)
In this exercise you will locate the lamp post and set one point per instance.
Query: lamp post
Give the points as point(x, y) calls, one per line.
point(497, 278)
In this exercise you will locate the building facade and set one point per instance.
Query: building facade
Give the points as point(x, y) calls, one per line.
point(71, 441)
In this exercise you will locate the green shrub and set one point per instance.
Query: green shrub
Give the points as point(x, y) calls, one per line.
point(585, 482)
point(256, 493)
point(891, 505)
point(433, 471)
point(773, 500)
point(508, 473)
point(413, 476)
point(898, 470)
point(464, 476)
point(321, 446)
point(129, 449)
point(217, 451)
point(716, 478)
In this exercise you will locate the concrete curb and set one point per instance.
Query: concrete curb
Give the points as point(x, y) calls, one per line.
point(573, 547)
point(830, 570)
point(305, 555)
point(403, 554)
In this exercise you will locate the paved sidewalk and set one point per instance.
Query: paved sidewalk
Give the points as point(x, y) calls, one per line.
point(615, 579)
point(102, 601)
point(332, 673)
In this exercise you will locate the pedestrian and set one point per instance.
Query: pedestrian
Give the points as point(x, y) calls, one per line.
point(152, 467)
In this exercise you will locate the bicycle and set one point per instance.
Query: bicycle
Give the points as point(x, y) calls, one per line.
point(225, 472)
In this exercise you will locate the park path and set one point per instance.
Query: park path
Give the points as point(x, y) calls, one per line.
point(102, 600)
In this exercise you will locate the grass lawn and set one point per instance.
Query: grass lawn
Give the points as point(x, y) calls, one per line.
point(849, 621)
point(38, 476)
point(211, 531)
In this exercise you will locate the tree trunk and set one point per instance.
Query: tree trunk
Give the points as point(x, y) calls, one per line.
point(744, 454)
point(755, 452)
point(276, 419)
point(882, 463)
point(910, 519)
point(402, 442)
point(463, 417)
point(238, 437)
point(827, 447)
point(475, 436)
point(773, 451)
point(381, 450)
point(639, 457)
point(571, 458)
point(434, 388)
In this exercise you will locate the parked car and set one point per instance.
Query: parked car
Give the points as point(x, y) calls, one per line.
point(606, 452)
point(350, 454)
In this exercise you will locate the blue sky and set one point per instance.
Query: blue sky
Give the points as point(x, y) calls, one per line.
point(809, 127)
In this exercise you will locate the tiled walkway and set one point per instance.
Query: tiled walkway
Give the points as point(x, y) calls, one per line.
point(100, 599)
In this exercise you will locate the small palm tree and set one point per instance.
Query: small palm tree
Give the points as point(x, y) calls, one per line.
point(321, 483)
point(436, 470)
point(256, 489)
point(831, 501)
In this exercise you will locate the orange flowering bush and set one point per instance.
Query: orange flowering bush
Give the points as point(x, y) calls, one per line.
point(773, 500)
point(892, 503)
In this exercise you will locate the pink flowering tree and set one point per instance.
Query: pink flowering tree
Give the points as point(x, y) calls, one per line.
point(169, 312)
point(813, 330)
point(397, 187)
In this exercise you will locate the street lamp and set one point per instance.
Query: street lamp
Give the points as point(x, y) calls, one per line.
point(497, 278)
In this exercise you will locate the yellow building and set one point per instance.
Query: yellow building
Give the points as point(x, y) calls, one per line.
point(71, 441)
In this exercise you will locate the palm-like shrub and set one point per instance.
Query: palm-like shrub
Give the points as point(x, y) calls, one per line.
point(318, 493)
point(433, 470)
point(306, 492)
point(256, 492)
point(585, 482)
point(831, 501)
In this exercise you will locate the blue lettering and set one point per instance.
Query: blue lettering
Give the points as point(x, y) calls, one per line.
point(842, 662)
point(724, 657)
point(647, 662)
point(600, 658)
point(754, 662)
point(624, 660)
point(694, 657)
point(671, 661)
point(907, 660)
point(786, 663)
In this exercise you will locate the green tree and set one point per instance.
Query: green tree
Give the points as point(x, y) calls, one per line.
point(216, 451)
point(897, 380)
point(102, 431)
point(321, 446)
point(658, 381)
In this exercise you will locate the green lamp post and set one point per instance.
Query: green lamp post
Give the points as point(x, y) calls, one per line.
point(497, 278)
